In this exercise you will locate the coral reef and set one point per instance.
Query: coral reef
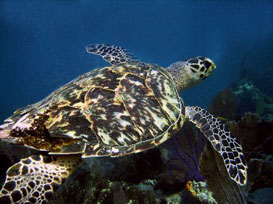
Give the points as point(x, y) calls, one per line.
point(253, 127)
point(260, 196)
point(261, 77)
point(134, 179)
point(251, 99)
point(254, 89)
point(224, 104)
point(256, 136)
point(218, 181)
point(200, 191)
point(181, 154)
point(155, 176)
point(234, 102)
point(124, 181)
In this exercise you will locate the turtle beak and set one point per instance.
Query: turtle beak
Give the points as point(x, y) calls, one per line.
point(209, 64)
point(5, 134)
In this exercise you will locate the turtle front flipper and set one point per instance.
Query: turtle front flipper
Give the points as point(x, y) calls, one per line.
point(222, 141)
point(112, 54)
point(34, 179)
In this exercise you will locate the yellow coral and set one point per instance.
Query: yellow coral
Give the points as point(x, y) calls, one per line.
point(189, 188)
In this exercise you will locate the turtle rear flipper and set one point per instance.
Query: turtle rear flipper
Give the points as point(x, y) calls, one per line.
point(222, 141)
point(34, 179)
point(112, 54)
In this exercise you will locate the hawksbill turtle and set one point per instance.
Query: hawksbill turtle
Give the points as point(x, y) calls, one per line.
point(126, 107)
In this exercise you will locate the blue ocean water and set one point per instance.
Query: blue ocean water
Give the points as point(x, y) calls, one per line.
point(42, 43)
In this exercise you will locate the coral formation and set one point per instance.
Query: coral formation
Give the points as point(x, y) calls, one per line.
point(254, 89)
point(233, 103)
point(224, 104)
point(159, 185)
point(253, 127)
point(256, 136)
point(260, 196)
point(261, 77)
point(251, 99)
point(155, 176)
point(181, 154)
point(200, 191)
point(218, 182)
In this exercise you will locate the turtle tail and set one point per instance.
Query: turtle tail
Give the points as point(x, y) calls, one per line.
point(222, 141)
point(4, 131)
point(34, 179)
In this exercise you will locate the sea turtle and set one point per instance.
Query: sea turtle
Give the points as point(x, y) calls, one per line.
point(126, 107)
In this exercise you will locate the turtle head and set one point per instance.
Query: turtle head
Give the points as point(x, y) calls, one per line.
point(191, 72)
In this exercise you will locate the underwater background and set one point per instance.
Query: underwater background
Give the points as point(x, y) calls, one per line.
point(42, 47)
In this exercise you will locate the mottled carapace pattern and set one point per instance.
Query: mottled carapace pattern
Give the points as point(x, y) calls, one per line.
point(111, 111)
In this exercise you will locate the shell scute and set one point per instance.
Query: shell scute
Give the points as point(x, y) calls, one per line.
point(165, 92)
point(142, 106)
point(110, 121)
point(135, 69)
point(105, 79)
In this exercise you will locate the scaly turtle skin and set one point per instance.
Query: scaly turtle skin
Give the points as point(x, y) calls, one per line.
point(124, 108)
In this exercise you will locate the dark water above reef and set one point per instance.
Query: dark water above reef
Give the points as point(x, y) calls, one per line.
point(42, 42)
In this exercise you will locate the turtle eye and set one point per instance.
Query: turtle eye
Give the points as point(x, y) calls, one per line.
point(207, 64)
point(195, 66)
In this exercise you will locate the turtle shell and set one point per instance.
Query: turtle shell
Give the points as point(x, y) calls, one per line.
point(111, 111)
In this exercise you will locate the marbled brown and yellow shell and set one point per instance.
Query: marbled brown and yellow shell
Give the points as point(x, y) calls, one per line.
point(111, 111)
